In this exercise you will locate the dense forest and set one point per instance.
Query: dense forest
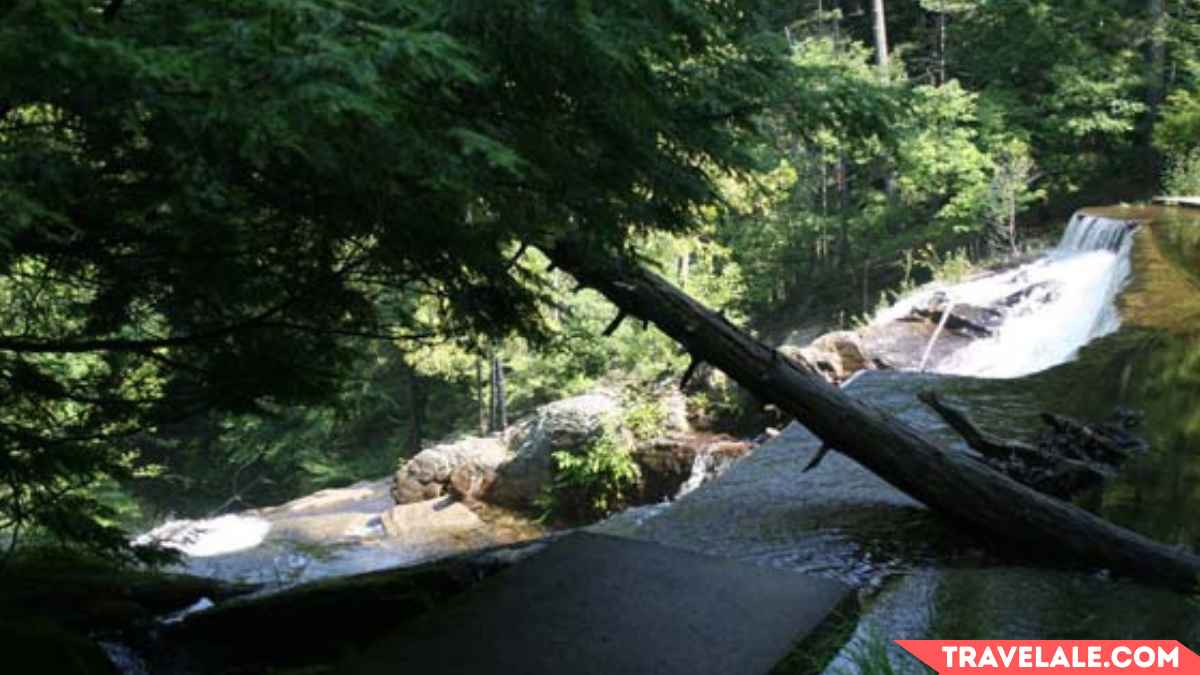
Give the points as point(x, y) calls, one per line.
point(252, 249)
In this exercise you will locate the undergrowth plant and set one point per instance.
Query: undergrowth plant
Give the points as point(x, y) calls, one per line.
point(948, 266)
point(599, 480)
point(644, 414)
point(874, 656)
point(1182, 175)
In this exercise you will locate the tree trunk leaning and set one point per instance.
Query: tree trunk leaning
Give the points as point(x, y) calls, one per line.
point(952, 483)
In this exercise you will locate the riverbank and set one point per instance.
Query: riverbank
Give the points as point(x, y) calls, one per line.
point(1191, 202)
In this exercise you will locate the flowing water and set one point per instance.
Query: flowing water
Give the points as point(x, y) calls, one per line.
point(1123, 328)
point(1052, 306)
point(331, 533)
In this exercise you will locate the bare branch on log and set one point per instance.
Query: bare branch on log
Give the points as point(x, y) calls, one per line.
point(820, 455)
point(616, 323)
point(689, 373)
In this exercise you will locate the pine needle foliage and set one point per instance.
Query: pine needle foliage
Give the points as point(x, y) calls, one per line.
point(205, 202)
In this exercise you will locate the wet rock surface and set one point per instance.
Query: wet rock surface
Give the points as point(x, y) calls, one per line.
point(331, 533)
point(586, 602)
point(434, 522)
point(919, 576)
point(901, 344)
point(971, 321)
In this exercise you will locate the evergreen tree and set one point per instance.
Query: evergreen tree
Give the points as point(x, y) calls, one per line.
point(206, 201)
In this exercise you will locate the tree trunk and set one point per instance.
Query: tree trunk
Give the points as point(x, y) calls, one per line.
point(866, 287)
point(951, 483)
point(941, 49)
point(1012, 222)
point(683, 266)
point(418, 400)
point(882, 61)
point(483, 399)
point(498, 417)
point(1158, 55)
point(881, 40)
point(501, 397)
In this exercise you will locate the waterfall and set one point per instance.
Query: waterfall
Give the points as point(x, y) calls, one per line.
point(706, 466)
point(1083, 276)
point(1087, 232)
point(1051, 307)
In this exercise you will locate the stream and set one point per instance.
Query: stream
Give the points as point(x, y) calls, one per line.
point(1116, 321)
point(1122, 328)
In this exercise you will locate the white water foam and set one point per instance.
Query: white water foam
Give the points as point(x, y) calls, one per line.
point(211, 537)
point(1077, 286)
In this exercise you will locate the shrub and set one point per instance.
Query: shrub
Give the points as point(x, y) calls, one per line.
point(592, 484)
point(1182, 175)
point(1178, 127)
point(644, 416)
point(950, 266)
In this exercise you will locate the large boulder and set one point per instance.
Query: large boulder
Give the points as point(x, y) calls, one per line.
point(569, 424)
point(425, 475)
point(471, 482)
point(514, 468)
point(836, 355)
point(845, 350)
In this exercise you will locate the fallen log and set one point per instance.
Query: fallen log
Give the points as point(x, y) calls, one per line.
point(952, 483)
point(1101, 446)
point(1037, 466)
point(981, 441)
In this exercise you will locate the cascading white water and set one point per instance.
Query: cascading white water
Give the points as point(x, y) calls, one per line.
point(1052, 306)
point(1086, 232)
point(205, 538)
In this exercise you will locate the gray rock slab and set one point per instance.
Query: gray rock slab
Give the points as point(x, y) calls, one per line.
point(593, 603)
